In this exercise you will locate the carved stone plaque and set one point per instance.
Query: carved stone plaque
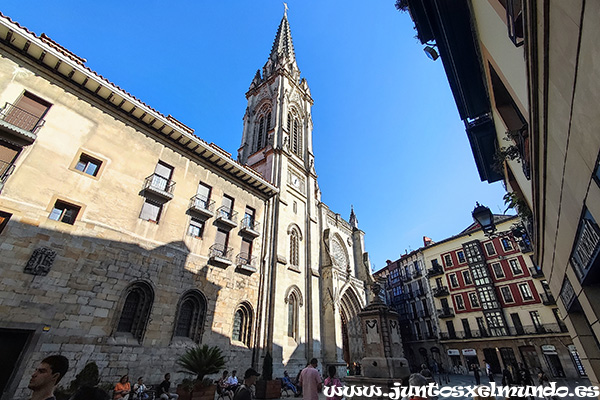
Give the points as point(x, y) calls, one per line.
point(40, 262)
point(372, 331)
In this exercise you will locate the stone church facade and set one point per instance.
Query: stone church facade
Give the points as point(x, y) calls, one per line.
point(125, 238)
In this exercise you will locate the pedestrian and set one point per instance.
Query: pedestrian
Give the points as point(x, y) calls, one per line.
point(525, 376)
point(507, 378)
point(333, 382)
point(416, 380)
point(488, 371)
point(90, 393)
point(223, 387)
point(244, 391)
point(426, 372)
point(476, 374)
point(46, 376)
point(164, 389)
point(310, 380)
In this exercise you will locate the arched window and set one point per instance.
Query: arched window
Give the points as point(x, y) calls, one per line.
point(297, 139)
point(136, 310)
point(242, 324)
point(262, 128)
point(259, 136)
point(190, 316)
point(294, 248)
point(293, 316)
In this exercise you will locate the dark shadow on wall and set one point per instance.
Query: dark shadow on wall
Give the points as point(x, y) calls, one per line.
point(74, 307)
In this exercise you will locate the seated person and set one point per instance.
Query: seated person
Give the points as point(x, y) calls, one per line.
point(287, 383)
point(223, 388)
point(122, 388)
point(164, 387)
point(232, 381)
point(140, 390)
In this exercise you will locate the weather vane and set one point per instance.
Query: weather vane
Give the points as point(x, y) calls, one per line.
point(285, 8)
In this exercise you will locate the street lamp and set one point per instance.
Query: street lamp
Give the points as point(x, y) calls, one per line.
point(484, 217)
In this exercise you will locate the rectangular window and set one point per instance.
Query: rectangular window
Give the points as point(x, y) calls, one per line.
point(27, 113)
point(246, 248)
point(88, 165)
point(535, 318)
point(507, 294)
point(498, 271)
point(453, 280)
point(525, 291)
point(474, 300)
point(196, 228)
point(506, 244)
point(64, 212)
point(249, 217)
point(227, 207)
point(466, 327)
point(203, 195)
point(515, 267)
point(467, 277)
point(490, 249)
point(162, 175)
point(448, 260)
point(460, 303)
point(151, 211)
point(461, 257)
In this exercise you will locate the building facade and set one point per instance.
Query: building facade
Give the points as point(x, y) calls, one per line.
point(494, 304)
point(526, 85)
point(409, 294)
point(125, 238)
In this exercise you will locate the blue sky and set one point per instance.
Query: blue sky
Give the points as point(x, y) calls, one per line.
point(387, 137)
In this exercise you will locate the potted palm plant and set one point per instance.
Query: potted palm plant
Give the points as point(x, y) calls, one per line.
point(201, 361)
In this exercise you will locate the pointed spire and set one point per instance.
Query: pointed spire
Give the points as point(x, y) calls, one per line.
point(353, 220)
point(282, 52)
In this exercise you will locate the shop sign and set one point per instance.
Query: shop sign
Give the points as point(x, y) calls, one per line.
point(469, 352)
point(548, 347)
point(453, 352)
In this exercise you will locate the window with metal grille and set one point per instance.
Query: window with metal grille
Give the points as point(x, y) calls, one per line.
point(136, 310)
point(190, 316)
point(64, 212)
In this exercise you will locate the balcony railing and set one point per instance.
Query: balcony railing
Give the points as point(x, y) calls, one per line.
point(435, 272)
point(20, 118)
point(445, 313)
point(249, 226)
point(5, 170)
point(513, 331)
point(227, 216)
point(536, 272)
point(548, 299)
point(160, 186)
point(440, 291)
point(202, 205)
point(417, 273)
point(448, 335)
point(246, 262)
point(220, 253)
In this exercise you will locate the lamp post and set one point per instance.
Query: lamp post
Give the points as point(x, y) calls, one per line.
point(484, 217)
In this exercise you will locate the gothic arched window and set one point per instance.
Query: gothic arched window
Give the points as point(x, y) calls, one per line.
point(294, 248)
point(190, 316)
point(293, 316)
point(242, 324)
point(262, 128)
point(136, 310)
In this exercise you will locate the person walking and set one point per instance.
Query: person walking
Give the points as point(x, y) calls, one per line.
point(476, 374)
point(333, 382)
point(310, 380)
point(46, 376)
point(488, 371)
point(244, 391)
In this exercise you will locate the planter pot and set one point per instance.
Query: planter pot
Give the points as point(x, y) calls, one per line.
point(268, 389)
point(183, 394)
point(204, 392)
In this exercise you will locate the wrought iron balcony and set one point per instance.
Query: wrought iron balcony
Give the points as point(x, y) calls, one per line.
point(448, 335)
point(548, 299)
point(227, 216)
point(160, 186)
point(435, 272)
point(21, 122)
point(220, 254)
point(445, 313)
point(203, 206)
point(440, 291)
point(419, 292)
point(249, 226)
point(536, 272)
point(422, 313)
point(5, 170)
point(246, 262)
point(417, 274)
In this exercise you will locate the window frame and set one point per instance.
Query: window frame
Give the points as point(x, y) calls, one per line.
point(472, 295)
point(66, 207)
point(528, 290)
point(467, 277)
point(141, 315)
point(451, 281)
point(448, 261)
point(512, 297)
point(460, 305)
point(458, 257)
point(515, 261)
point(243, 317)
point(506, 241)
point(196, 324)
point(501, 270)
point(494, 252)
point(155, 203)
point(199, 224)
